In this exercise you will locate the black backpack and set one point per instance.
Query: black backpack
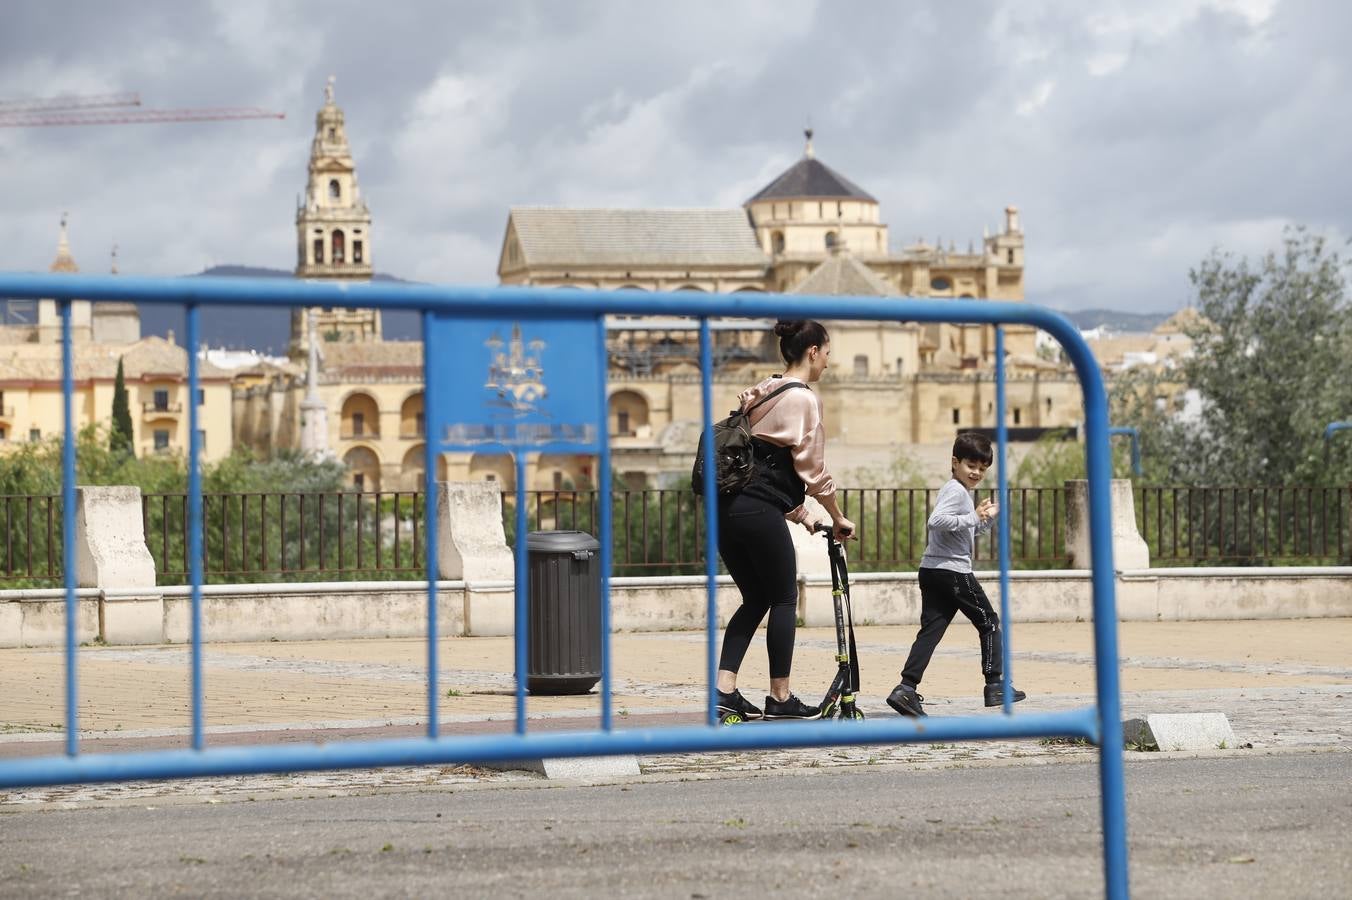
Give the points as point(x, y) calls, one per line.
point(734, 449)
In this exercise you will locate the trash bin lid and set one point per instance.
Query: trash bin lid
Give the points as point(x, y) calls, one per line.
point(560, 541)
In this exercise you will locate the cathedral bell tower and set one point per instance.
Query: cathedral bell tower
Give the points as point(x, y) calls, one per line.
point(333, 232)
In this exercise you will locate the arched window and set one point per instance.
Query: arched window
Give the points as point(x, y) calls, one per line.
point(339, 247)
point(360, 418)
point(319, 250)
point(940, 284)
point(335, 190)
point(412, 422)
point(629, 413)
point(861, 365)
point(777, 242)
point(363, 468)
point(831, 238)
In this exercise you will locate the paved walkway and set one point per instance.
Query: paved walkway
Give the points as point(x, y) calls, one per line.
point(1283, 684)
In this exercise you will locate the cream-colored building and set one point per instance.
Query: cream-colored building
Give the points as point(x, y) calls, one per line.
point(811, 231)
point(154, 370)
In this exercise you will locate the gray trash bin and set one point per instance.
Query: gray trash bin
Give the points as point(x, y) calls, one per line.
point(564, 609)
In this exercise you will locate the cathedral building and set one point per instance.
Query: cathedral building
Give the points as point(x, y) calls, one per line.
point(809, 232)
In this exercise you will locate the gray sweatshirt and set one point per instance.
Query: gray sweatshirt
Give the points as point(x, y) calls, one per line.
point(953, 527)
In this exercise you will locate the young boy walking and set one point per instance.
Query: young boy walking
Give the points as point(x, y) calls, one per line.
point(947, 585)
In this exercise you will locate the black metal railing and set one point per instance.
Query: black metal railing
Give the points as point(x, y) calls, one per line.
point(374, 535)
point(1244, 525)
point(30, 549)
point(288, 536)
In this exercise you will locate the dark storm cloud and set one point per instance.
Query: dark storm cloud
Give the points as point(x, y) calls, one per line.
point(1134, 136)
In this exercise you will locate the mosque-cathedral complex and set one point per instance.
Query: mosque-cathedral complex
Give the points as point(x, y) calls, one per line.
point(350, 393)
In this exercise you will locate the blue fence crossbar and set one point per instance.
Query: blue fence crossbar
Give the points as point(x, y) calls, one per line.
point(1100, 723)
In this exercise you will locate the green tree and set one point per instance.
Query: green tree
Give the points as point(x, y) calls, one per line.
point(120, 439)
point(1270, 357)
point(1271, 343)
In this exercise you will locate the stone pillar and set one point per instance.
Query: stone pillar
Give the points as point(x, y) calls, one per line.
point(814, 569)
point(471, 543)
point(1129, 548)
point(111, 553)
point(472, 546)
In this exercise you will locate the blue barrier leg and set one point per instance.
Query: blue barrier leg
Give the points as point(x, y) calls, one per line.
point(1098, 466)
point(604, 529)
point(1002, 523)
point(68, 528)
point(195, 525)
point(521, 591)
point(432, 562)
point(706, 367)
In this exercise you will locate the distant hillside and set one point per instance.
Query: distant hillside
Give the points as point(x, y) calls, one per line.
point(268, 330)
point(1115, 320)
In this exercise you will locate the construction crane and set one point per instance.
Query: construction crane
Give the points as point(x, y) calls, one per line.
point(112, 109)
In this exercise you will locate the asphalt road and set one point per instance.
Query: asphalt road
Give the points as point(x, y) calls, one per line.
point(1241, 824)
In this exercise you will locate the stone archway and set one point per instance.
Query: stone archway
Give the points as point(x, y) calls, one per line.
point(628, 414)
point(363, 468)
point(495, 467)
point(411, 417)
point(360, 417)
point(412, 467)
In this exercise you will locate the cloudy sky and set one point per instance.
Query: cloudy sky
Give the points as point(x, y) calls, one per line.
point(1134, 136)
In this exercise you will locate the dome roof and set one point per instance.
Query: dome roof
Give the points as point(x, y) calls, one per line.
point(810, 177)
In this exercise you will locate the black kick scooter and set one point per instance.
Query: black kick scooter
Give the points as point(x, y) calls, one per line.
point(839, 701)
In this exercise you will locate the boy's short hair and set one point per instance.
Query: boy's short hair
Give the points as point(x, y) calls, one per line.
point(973, 446)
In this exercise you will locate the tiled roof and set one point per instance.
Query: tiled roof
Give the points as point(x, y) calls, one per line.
point(635, 237)
point(843, 275)
point(148, 356)
point(340, 356)
point(810, 177)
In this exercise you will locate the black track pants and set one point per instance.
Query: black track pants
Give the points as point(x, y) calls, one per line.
point(753, 539)
point(942, 595)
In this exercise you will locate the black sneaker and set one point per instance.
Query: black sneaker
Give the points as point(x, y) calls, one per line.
point(995, 694)
point(906, 701)
point(792, 708)
point(734, 702)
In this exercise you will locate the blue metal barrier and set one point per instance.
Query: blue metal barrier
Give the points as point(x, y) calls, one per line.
point(1135, 435)
point(1330, 430)
point(1100, 723)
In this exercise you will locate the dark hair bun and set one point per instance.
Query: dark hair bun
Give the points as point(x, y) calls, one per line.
point(786, 329)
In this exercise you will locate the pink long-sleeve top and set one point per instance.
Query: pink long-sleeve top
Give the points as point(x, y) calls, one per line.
point(793, 420)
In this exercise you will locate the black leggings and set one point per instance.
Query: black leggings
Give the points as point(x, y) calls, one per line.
point(943, 594)
point(753, 539)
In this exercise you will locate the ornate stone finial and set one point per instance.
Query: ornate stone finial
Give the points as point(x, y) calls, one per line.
point(328, 91)
point(808, 151)
point(113, 269)
point(64, 262)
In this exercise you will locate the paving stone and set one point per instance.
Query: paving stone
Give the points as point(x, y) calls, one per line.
point(1180, 731)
